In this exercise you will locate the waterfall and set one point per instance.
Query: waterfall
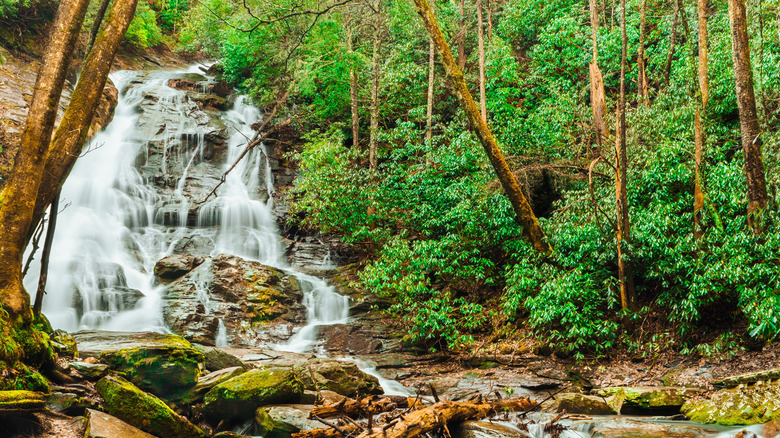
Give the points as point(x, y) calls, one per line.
point(128, 203)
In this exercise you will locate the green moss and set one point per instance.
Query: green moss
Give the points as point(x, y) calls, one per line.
point(24, 350)
point(239, 397)
point(144, 411)
point(754, 404)
point(13, 400)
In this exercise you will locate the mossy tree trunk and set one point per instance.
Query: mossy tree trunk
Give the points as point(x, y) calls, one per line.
point(704, 90)
point(525, 215)
point(625, 270)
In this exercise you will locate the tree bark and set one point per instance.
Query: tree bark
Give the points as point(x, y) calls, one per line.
point(17, 200)
point(431, 76)
point(101, 13)
point(373, 141)
point(672, 42)
point(624, 227)
point(353, 85)
point(520, 204)
point(481, 54)
point(748, 117)
point(597, 96)
point(45, 254)
point(641, 73)
point(71, 134)
point(490, 19)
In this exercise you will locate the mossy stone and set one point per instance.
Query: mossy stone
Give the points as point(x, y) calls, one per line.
point(658, 400)
point(759, 403)
point(144, 411)
point(343, 378)
point(11, 401)
point(239, 397)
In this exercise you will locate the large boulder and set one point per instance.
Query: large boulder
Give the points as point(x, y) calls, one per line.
point(239, 398)
point(213, 379)
point(281, 421)
point(165, 365)
point(255, 303)
point(753, 404)
point(648, 400)
point(217, 359)
point(144, 411)
point(175, 266)
point(573, 403)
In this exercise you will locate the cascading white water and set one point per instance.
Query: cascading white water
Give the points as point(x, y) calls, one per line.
point(117, 223)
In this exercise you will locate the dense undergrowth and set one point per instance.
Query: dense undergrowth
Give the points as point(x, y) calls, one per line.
point(440, 237)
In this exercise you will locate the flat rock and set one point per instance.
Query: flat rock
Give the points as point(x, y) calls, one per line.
point(646, 400)
point(91, 371)
point(748, 379)
point(580, 404)
point(284, 419)
point(629, 428)
point(754, 404)
point(485, 429)
point(102, 425)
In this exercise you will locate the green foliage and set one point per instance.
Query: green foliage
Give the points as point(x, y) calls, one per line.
point(143, 30)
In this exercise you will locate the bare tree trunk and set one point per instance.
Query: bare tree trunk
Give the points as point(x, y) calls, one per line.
point(71, 134)
point(624, 226)
point(597, 96)
point(353, 91)
point(642, 74)
point(748, 118)
point(21, 188)
point(462, 36)
point(429, 107)
point(520, 205)
point(490, 19)
point(372, 158)
point(698, 193)
point(45, 254)
point(672, 42)
point(481, 48)
point(101, 13)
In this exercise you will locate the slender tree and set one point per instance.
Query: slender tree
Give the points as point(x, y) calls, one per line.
point(623, 224)
point(525, 215)
point(481, 55)
point(461, 35)
point(748, 117)
point(704, 91)
point(373, 141)
point(672, 42)
point(21, 188)
point(597, 95)
point(431, 77)
point(641, 73)
point(353, 85)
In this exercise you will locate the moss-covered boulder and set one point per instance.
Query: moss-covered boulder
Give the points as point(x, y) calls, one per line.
point(758, 403)
point(144, 411)
point(64, 343)
point(165, 365)
point(91, 371)
point(281, 421)
point(341, 377)
point(580, 404)
point(649, 400)
point(211, 380)
point(14, 401)
point(217, 359)
point(239, 397)
point(102, 425)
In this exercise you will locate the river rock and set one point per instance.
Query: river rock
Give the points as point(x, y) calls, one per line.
point(18, 401)
point(64, 343)
point(485, 429)
point(144, 411)
point(211, 380)
point(165, 365)
point(239, 398)
point(630, 428)
point(758, 403)
point(218, 359)
point(70, 403)
point(580, 404)
point(175, 266)
point(102, 425)
point(648, 400)
point(281, 421)
point(91, 371)
point(256, 303)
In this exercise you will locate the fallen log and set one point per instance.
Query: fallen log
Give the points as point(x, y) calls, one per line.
point(374, 404)
point(422, 421)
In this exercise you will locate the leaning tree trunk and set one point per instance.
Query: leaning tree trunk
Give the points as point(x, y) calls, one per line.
point(461, 35)
point(17, 200)
point(624, 227)
point(72, 132)
point(520, 205)
point(431, 76)
point(748, 117)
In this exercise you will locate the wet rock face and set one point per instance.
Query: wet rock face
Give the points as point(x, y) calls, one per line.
point(256, 303)
point(648, 400)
